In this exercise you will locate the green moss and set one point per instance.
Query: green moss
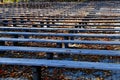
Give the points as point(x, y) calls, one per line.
point(10, 1)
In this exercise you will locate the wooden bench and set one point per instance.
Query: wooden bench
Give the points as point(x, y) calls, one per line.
point(11, 34)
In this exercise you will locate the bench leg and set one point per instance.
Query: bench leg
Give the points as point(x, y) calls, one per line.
point(14, 22)
point(2, 43)
point(15, 43)
point(5, 23)
point(66, 44)
point(49, 55)
point(36, 73)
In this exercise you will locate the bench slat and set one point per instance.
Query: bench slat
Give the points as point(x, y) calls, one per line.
point(80, 16)
point(115, 36)
point(62, 50)
point(74, 21)
point(63, 18)
point(78, 29)
point(54, 25)
point(60, 63)
point(61, 41)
